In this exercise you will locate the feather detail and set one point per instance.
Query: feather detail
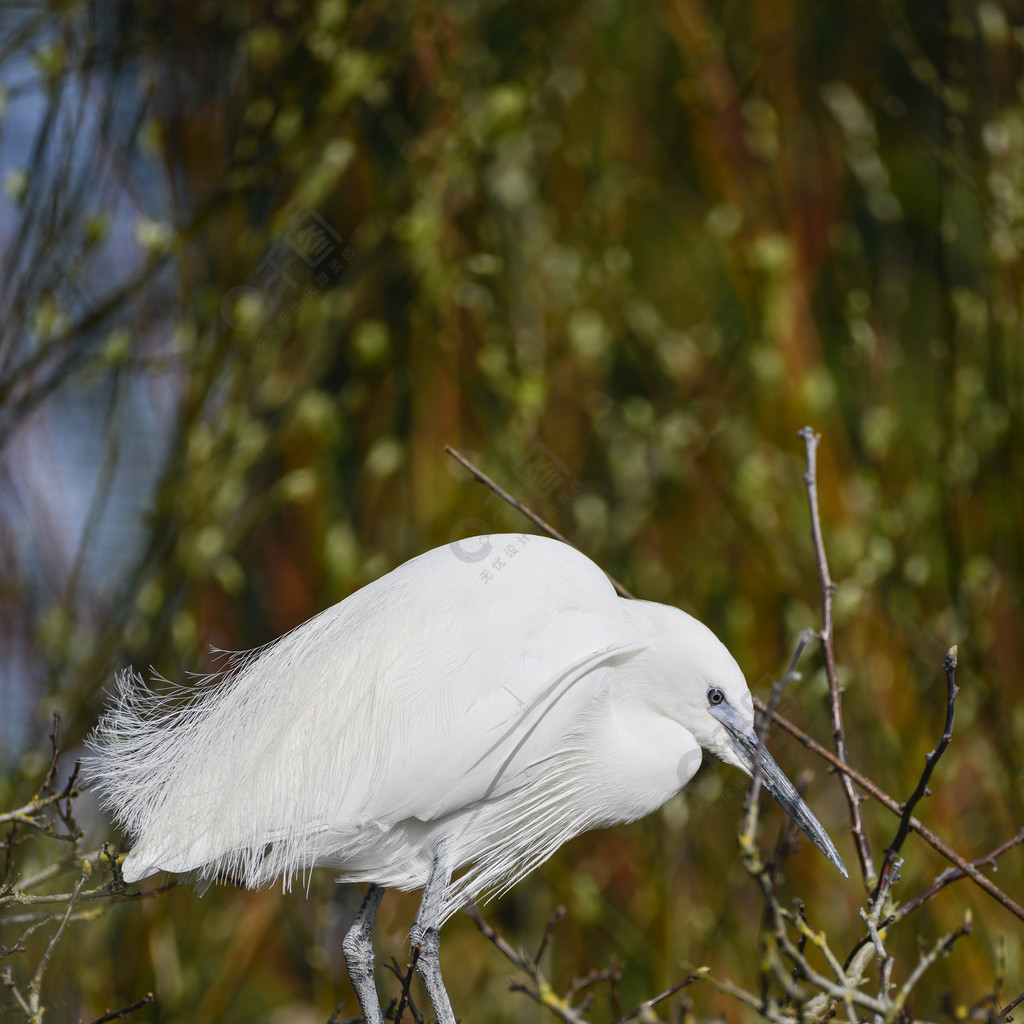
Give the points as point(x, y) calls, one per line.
point(322, 748)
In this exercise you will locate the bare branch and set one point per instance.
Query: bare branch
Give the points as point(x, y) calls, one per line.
point(766, 1006)
point(125, 1010)
point(36, 984)
point(28, 814)
point(553, 920)
point(537, 521)
point(872, 789)
point(540, 990)
point(748, 835)
point(951, 875)
point(867, 867)
point(765, 718)
point(405, 977)
point(647, 1004)
point(1009, 1007)
point(941, 948)
point(893, 849)
point(47, 785)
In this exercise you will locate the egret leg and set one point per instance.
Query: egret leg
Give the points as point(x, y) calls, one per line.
point(358, 950)
point(425, 940)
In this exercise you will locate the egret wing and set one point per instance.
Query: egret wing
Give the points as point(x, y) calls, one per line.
point(438, 685)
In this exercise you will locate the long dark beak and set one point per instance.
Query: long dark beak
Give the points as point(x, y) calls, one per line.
point(744, 743)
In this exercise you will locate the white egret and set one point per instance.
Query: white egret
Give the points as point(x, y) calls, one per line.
point(478, 706)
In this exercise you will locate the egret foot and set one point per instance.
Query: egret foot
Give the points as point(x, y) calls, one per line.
point(358, 950)
point(428, 963)
point(425, 940)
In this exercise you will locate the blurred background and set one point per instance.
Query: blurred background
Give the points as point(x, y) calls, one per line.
point(262, 261)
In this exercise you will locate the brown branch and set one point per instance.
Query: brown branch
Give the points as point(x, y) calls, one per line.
point(893, 849)
point(553, 920)
point(647, 1004)
point(872, 789)
point(1009, 1007)
point(867, 867)
point(541, 991)
point(611, 974)
point(526, 511)
point(951, 875)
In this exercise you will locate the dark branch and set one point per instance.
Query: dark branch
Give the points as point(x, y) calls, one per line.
point(405, 977)
point(647, 1004)
point(893, 849)
point(553, 920)
point(47, 786)
point(125, 1010)
point(1009, 1007)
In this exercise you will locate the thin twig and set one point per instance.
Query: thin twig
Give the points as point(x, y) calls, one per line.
point(951, 875)
point(125, 1010)
point(336, 1018)
point(405, 977)
point(553, 920)
point(47, 786)
point(27, 815)
point(537, 521)
point(741, 995)
point(36, 984)
point(541, 991)
point(647, 1004)
point(872, 917)
point(941, 948)
point(893, 849)
point(1010, 1006)
point(872, 789)
point(867, 867)
point(764, 720)
point(748, 836)
point(588, 980)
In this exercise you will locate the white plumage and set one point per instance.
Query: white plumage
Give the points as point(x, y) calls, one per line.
point(490, 713)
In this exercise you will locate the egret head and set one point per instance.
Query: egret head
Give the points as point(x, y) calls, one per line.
point(714, 703)
point(747, 752)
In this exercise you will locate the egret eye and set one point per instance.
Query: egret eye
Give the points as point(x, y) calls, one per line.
point(715, 696)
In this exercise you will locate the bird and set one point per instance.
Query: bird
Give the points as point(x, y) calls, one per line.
point(447, 727)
